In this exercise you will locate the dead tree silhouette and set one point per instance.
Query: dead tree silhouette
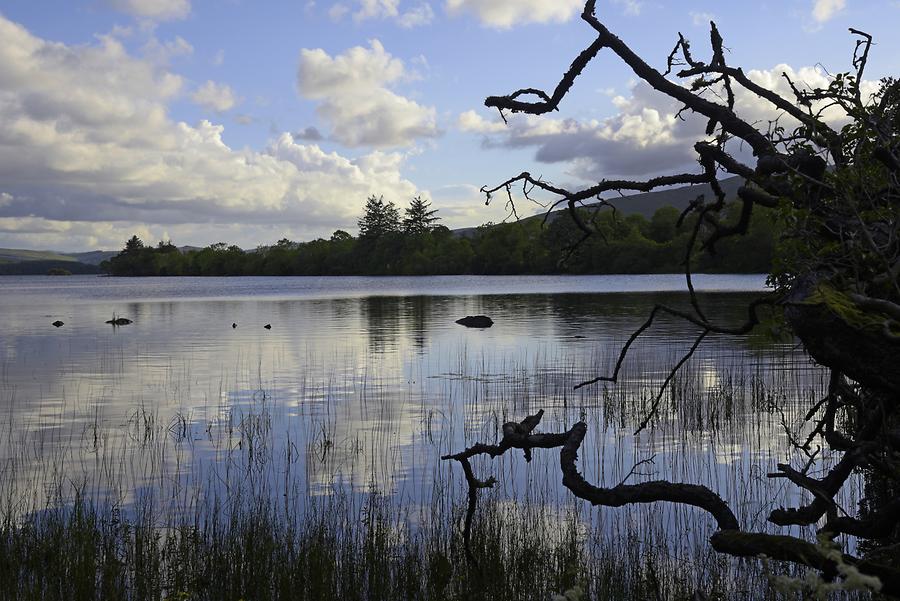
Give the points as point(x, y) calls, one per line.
point(835, 284)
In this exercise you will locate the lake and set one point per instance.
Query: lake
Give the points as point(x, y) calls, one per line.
point(361, 384)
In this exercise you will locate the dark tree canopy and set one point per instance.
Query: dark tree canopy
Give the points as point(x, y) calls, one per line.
point(166, 246)
point(836, 192)
point(419, 217)
point(133, 244)
point(379, 218)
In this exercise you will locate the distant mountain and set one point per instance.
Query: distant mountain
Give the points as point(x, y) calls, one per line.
point(16, 255)
point(17, 261)
point(94, 257)
point(648, 203)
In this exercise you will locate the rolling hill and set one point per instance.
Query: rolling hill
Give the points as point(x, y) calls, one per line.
point(17, 255)
point(647, 203)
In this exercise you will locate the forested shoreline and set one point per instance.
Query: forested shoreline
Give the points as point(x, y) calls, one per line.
point(416, 244)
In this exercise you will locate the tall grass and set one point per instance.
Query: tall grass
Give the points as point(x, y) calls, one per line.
point(337, 551)
point(341, 496)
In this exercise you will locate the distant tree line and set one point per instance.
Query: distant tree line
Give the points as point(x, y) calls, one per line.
point(416, 244)
point(47, 267)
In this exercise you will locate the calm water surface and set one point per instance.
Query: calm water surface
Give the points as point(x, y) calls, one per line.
point(362, 383)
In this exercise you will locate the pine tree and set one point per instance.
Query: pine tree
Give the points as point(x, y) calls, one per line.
point(419, 217)
point(166, 246)
point(134, 244)
point(380, 218)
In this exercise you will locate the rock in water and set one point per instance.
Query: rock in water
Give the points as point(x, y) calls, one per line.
point(58, 324)
point(119, 321)
point(234, 325)
point(476, 321)
point(268, 326)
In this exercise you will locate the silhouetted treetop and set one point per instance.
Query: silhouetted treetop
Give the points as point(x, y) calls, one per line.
point(379, 218)
point(419, 217)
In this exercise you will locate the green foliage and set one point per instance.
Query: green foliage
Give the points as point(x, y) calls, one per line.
point(419, 217)
point(379, 219)
point(633, 245)
point(663, 225)
point(421, 246)
point(843, 306)
point(134, 244)
point(846, 226)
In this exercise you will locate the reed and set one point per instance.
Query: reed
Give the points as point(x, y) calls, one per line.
point(330, 488)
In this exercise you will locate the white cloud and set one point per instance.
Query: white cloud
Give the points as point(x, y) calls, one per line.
point(337, 11)
point(215, 96)
point(372, 9)
point(164, 52)
point(462, 205)
point(156, 10)
point(702, 19)
point(121, 31)
point(355, 99)
point(632, 8)
point(824, 10)
point(645, 137)
point(507, 13)
point(471, 121)
point(87, 146)
point(321, 76)
point(421, 14)
point(109, 235)
point(805, 77)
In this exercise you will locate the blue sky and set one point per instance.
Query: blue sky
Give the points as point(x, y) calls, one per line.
point(246, 122)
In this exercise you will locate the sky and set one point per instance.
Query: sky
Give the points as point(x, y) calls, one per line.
point(200, 121)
